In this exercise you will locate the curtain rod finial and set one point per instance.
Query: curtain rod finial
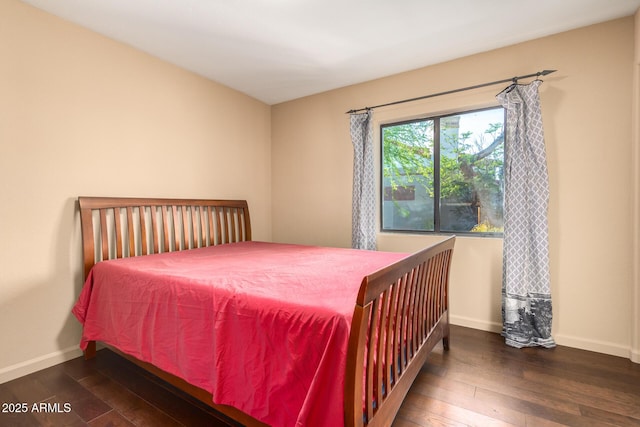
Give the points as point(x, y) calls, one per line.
point(545, 72)
point(368, 109)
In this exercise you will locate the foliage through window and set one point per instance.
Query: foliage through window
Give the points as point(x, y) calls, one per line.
point(445, 173)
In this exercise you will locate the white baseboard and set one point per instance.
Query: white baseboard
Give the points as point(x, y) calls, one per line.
point(594, 345)
point(560, 339)
point(469, 322)
point(29, 366)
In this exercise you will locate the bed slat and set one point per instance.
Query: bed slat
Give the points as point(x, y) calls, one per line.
point(153, 212)
point(219, 228)
point(104, 236)
point(143, 229)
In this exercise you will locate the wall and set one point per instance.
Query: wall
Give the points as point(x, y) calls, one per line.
point(635, 159)
point(83, 115)
point(586, 111)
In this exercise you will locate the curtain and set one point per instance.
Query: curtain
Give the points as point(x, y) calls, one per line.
point(526, 291)
point(363, 234)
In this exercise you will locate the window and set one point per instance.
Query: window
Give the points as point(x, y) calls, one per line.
point(444, 174)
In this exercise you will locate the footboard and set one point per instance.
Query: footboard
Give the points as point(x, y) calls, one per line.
point(400, 315)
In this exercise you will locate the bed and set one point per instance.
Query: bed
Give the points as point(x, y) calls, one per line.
point(265, 333)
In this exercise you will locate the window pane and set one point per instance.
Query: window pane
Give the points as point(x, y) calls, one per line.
point(408, 176)
point(471, 171)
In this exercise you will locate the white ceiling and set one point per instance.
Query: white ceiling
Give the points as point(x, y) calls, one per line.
point(278, 50)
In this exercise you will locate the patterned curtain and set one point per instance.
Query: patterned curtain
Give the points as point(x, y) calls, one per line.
point(526, 290)
point(363, 234)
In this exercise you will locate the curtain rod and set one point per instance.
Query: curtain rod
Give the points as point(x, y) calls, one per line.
point(512, 79)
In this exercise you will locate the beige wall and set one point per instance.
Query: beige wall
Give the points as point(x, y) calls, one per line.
point(83, 115)
point(635, 159)
point(586, 109)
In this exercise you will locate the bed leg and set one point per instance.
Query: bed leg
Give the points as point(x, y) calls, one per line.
point(445, 333)
point(90, 351)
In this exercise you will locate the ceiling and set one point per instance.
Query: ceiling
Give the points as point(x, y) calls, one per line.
point(278, 50)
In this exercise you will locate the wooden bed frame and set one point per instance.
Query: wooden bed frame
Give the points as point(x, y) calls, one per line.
point(400, 314)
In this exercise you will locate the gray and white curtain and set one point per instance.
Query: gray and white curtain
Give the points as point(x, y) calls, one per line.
point(363, 234)
point(526, 291)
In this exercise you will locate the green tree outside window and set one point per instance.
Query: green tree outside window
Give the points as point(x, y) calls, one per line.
point(444, 174)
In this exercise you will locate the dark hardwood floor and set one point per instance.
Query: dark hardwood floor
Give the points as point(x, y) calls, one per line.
point(479, 382)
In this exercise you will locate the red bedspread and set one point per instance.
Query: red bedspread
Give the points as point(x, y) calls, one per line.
point(263, 327)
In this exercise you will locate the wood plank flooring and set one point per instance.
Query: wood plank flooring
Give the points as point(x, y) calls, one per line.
point(479, 382)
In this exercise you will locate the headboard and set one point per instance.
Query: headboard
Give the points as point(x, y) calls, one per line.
point(115, 227)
